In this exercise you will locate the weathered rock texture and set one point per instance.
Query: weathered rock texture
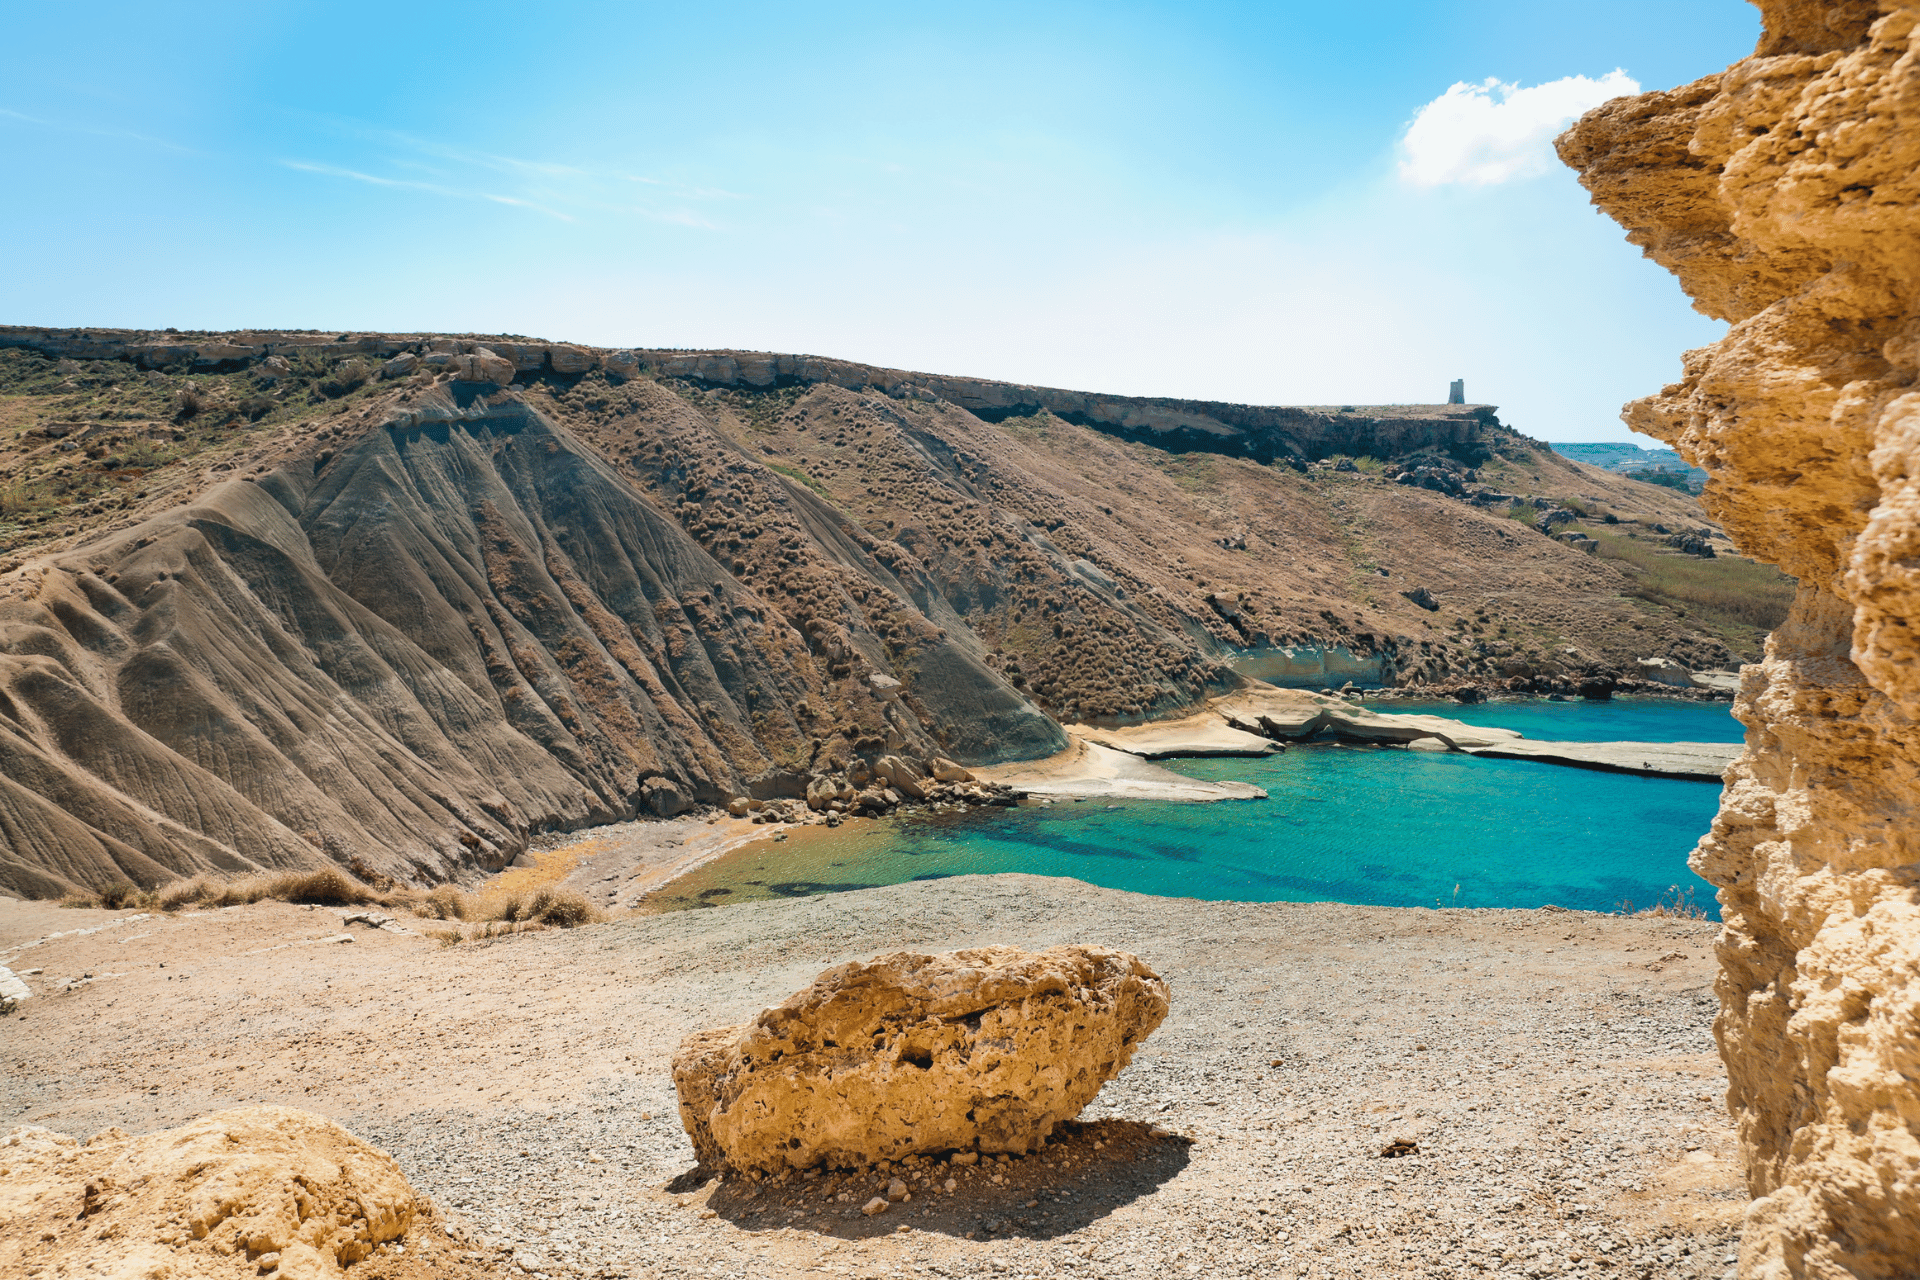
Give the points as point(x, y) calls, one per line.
point(1785, 194)
point(231, 1195)
point(979, 1050)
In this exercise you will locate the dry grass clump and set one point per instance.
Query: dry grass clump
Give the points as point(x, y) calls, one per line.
point(323, 888)
point(329, 887)
point(119, 896)
point(125, 894)
point(1676, 904)
point(561, 908)
point(444, 903)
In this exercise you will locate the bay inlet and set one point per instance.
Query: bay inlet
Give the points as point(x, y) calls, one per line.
point(1342, 823)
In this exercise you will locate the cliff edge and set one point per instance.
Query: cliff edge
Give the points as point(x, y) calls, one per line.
point(1785, 195)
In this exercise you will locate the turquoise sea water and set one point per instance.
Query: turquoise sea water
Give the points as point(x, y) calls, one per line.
point(1343, 823)
point(1623, 720)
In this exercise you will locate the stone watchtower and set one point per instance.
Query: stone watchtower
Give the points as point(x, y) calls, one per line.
point(1457, 391)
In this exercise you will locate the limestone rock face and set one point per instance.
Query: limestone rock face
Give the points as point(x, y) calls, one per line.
point(1785, 195)
point(485, 366)
point(985, 1049)
point(211, 1198)
point(527, 357)
point(663, 797)
point(1666, 671)
point(945, 770)
point(903, 776)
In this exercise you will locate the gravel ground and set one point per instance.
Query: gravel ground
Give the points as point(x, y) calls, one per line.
point(1552, 1070)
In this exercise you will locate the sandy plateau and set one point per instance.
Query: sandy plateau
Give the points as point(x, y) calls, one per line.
point(1552, 1071)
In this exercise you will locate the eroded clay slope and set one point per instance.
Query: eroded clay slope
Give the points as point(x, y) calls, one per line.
point(1784, 195)
point(455, 628)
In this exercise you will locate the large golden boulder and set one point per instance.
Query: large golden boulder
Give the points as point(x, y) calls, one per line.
point(980, 1050)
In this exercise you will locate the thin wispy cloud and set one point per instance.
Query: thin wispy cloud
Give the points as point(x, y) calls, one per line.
point(684, 191)
point(528, 204)
point(432, 188)
point(678, 218)
point(334, 171)
point(567, 192)
point(1494, 132)
point(95, 131)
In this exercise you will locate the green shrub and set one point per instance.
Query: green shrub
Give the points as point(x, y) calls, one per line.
point(1664, 478)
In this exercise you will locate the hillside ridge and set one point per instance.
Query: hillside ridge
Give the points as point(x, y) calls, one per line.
point(1264, 432)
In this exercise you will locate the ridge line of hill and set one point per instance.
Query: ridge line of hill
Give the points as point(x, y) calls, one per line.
point(1297, 433)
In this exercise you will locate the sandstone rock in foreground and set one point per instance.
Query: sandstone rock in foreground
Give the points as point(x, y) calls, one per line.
point(985, 1049)
point(234, 1194)
point(1785, 195)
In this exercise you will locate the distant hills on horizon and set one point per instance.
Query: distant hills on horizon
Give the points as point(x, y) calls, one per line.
point(1624, 459)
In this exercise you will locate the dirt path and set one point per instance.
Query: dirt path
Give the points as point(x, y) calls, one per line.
point(1553, 1068)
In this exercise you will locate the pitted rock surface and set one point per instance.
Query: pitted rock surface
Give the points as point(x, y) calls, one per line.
point(1783, 194)
point(984, 1049)
point(241, 1191)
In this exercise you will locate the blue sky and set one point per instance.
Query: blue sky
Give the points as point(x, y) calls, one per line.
point(1205, 199)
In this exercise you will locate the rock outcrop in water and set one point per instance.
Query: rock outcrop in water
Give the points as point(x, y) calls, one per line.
point(980, 1050)
point(1785, 195)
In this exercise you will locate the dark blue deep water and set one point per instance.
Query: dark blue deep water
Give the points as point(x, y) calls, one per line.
point(1342, 824)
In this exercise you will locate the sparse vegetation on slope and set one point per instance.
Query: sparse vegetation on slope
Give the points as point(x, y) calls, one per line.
point(1739, 599)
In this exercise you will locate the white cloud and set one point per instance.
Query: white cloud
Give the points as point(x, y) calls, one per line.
point(1494, 132)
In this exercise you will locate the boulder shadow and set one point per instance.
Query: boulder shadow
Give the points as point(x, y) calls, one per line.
point(1068, 1184)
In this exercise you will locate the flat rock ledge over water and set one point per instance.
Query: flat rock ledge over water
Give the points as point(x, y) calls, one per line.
point(1705, 761)
point(1549, 1074)
point(1260, 720)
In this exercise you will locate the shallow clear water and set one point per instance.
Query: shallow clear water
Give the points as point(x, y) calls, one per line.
point(1343, 824)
